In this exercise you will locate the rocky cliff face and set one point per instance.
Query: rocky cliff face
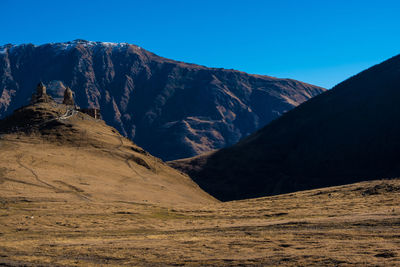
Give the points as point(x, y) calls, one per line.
point(172, 109)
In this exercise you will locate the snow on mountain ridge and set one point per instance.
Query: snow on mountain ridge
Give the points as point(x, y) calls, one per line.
point(68, 45)
point(88, 44)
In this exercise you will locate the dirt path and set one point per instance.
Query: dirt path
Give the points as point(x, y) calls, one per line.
point(73, 190)
point(127, 159)
point(19, 158)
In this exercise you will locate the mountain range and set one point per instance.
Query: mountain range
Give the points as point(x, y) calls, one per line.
point(347, 134)
point(170, 108)
point(75, 192)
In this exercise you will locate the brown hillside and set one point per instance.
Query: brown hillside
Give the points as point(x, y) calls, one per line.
point(49, 151)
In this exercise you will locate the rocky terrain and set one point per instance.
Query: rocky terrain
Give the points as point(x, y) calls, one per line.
point(348, 134)
point(172, 109)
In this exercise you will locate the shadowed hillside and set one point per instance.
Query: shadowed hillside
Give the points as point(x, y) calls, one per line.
point(350, 133)
point(172, 109)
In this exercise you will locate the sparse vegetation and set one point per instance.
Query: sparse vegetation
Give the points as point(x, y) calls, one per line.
point(336, 226)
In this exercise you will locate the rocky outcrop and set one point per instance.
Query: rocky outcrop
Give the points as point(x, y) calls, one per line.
point(172, 109)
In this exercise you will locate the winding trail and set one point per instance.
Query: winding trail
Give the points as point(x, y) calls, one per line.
point(19, 157)
point(127, 159)
point(73, 190)
point(68, 114)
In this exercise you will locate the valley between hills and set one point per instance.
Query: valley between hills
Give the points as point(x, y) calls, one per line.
point(75, 192)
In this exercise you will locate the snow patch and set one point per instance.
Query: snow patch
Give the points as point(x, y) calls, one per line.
point(110, 44)
point(88, 44)
point(113, 45)
point(7, 48)
point(63, 46)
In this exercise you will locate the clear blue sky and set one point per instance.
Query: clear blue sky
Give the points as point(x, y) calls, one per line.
point(316, 41)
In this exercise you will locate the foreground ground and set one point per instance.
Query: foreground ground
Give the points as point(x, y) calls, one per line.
point(338, 226)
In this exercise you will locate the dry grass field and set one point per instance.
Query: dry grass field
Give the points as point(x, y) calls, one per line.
point(76, 193)
point(339, 226)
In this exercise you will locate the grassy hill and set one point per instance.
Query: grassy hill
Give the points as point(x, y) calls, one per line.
point(50, 152)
